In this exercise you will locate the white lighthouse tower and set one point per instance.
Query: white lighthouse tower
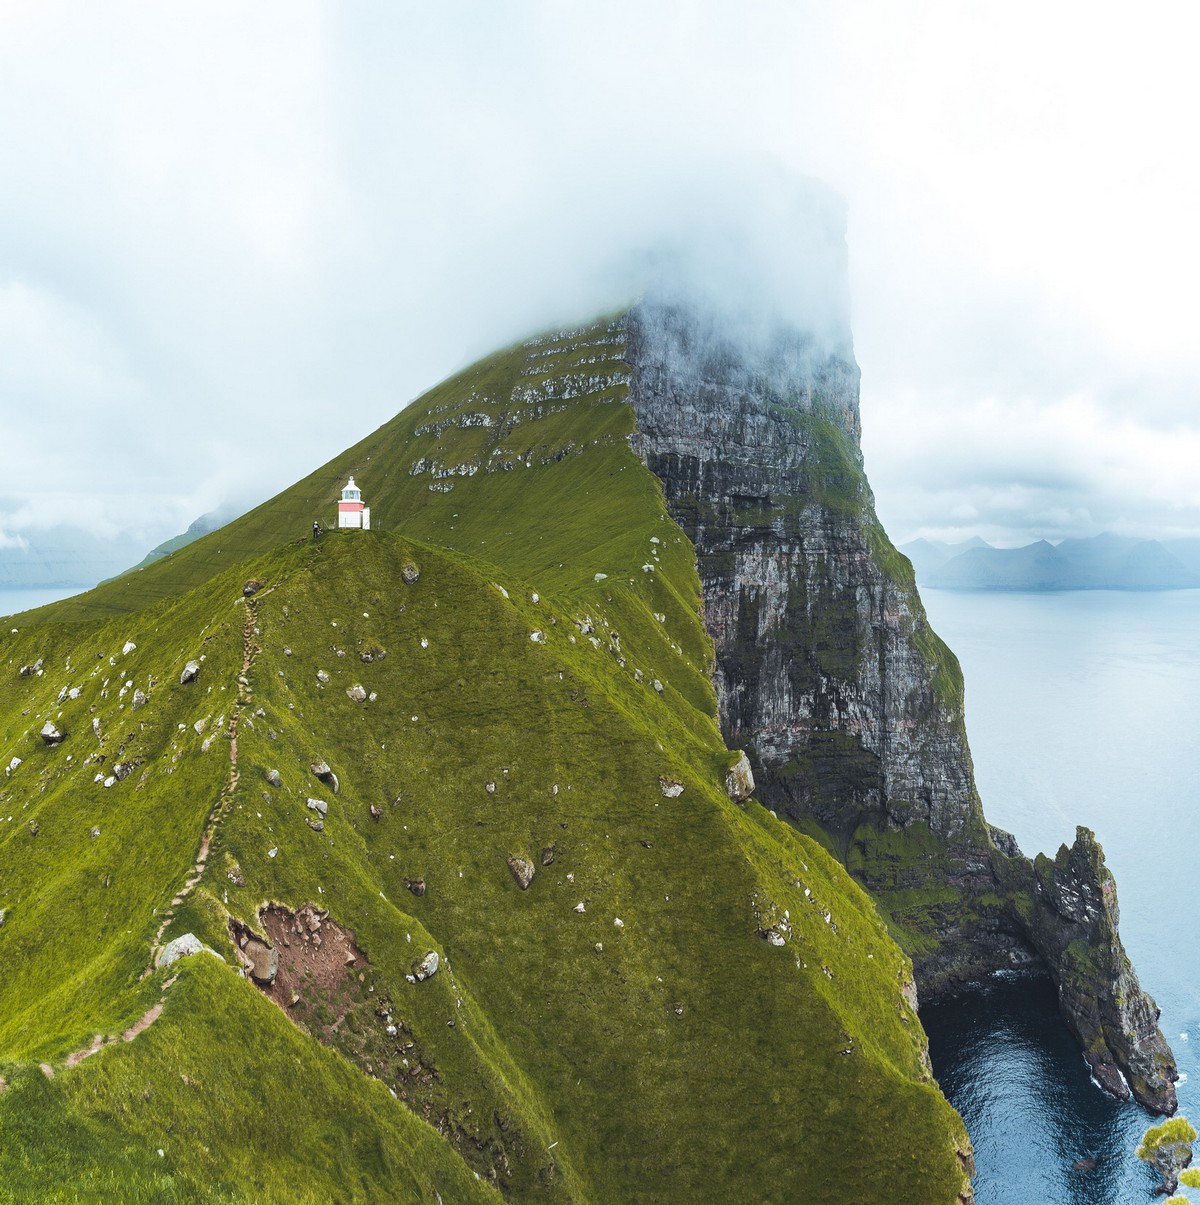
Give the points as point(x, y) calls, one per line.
point(351, 512)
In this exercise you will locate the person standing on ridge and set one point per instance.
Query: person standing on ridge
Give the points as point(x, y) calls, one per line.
point(316, 530)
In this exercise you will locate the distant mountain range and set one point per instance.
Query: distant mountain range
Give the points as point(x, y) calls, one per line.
point(1103, 562)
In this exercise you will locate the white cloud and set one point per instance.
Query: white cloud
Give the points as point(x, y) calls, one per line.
point(237, 229)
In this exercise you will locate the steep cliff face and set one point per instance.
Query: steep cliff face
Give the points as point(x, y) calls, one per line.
point(828, 672)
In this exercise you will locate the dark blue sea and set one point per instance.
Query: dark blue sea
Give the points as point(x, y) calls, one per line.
point(1082, 708)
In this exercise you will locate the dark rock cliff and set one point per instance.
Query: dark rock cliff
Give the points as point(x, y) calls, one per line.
point(829, 675)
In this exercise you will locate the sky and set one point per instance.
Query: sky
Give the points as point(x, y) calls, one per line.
point(235, 238)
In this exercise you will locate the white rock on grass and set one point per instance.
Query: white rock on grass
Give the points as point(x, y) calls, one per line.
point(670, 788)
point(357, 693)
point(179, 948)
point(426, 968)
point(129, 647)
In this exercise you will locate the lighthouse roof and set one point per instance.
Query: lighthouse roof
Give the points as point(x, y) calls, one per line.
point(350, 484)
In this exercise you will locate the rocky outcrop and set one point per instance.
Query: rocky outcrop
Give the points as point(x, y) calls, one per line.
point(830, 677)
point(1073, 926)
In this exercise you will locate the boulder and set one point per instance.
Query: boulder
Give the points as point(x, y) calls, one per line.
point(319, 806)
point(253, 586)
point(322, 771)
point(29, 670)
point(357, 694)
point(739, 781)
point(51, 734)
point(122, 770)
point(322, 677)
point(180, 947)
point(409, 573)
point(139, 699)
point(416, 886)
point(128, 647)
point(190, 671)
point(670, 788)
point(12, 765)
point(273, 778)
point(262, 962)
point(427, 967)
point(522, 869)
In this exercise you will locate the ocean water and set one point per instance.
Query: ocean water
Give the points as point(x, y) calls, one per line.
point(1082, 708)
point(12, 602)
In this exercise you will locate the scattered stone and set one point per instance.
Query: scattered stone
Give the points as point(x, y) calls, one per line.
point(658, 686)
point(12, 765)
point(128, 647)
point(522, 869)
point(618, 923)
point(46, 1070)
point(670, 788)
point(322, 677)
point(139, 699)
point(273, 778)
point(427, 967)
point(416, 886)
point(94, 833)
point(190, 671)
point(490, 788)
point(179, 948)
point(253, 586)
point(357, 694)
point(599, 577)
point(51, 734)
point(739, 782)
point(200, 725)
point(317, 826)
point(538, 636)
point(322, 771)
point(287, 652)
point(376, 811)
point(548, 855)
point(409, 573)
point(108, 782)
point(29, 670)
point(319, 806)
point(122, 770)
point(3, 914)
point(262, 962)
point(581, 907)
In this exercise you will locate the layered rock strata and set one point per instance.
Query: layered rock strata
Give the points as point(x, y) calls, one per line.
point(849, 705)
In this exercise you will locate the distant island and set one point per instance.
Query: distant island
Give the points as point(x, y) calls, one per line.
point(1103, 562)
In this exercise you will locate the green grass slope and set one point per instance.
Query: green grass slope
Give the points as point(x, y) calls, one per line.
point(690, 1001)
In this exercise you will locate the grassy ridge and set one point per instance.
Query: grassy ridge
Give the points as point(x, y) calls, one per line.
point(676, 1055)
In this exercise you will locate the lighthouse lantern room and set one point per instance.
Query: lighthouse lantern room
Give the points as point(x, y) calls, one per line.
point(351, 512)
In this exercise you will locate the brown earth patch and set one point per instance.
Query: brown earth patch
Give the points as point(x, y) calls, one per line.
point(321, 971)
point(324, 982)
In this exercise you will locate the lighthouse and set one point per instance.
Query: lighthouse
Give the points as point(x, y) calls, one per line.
point(351, 512)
